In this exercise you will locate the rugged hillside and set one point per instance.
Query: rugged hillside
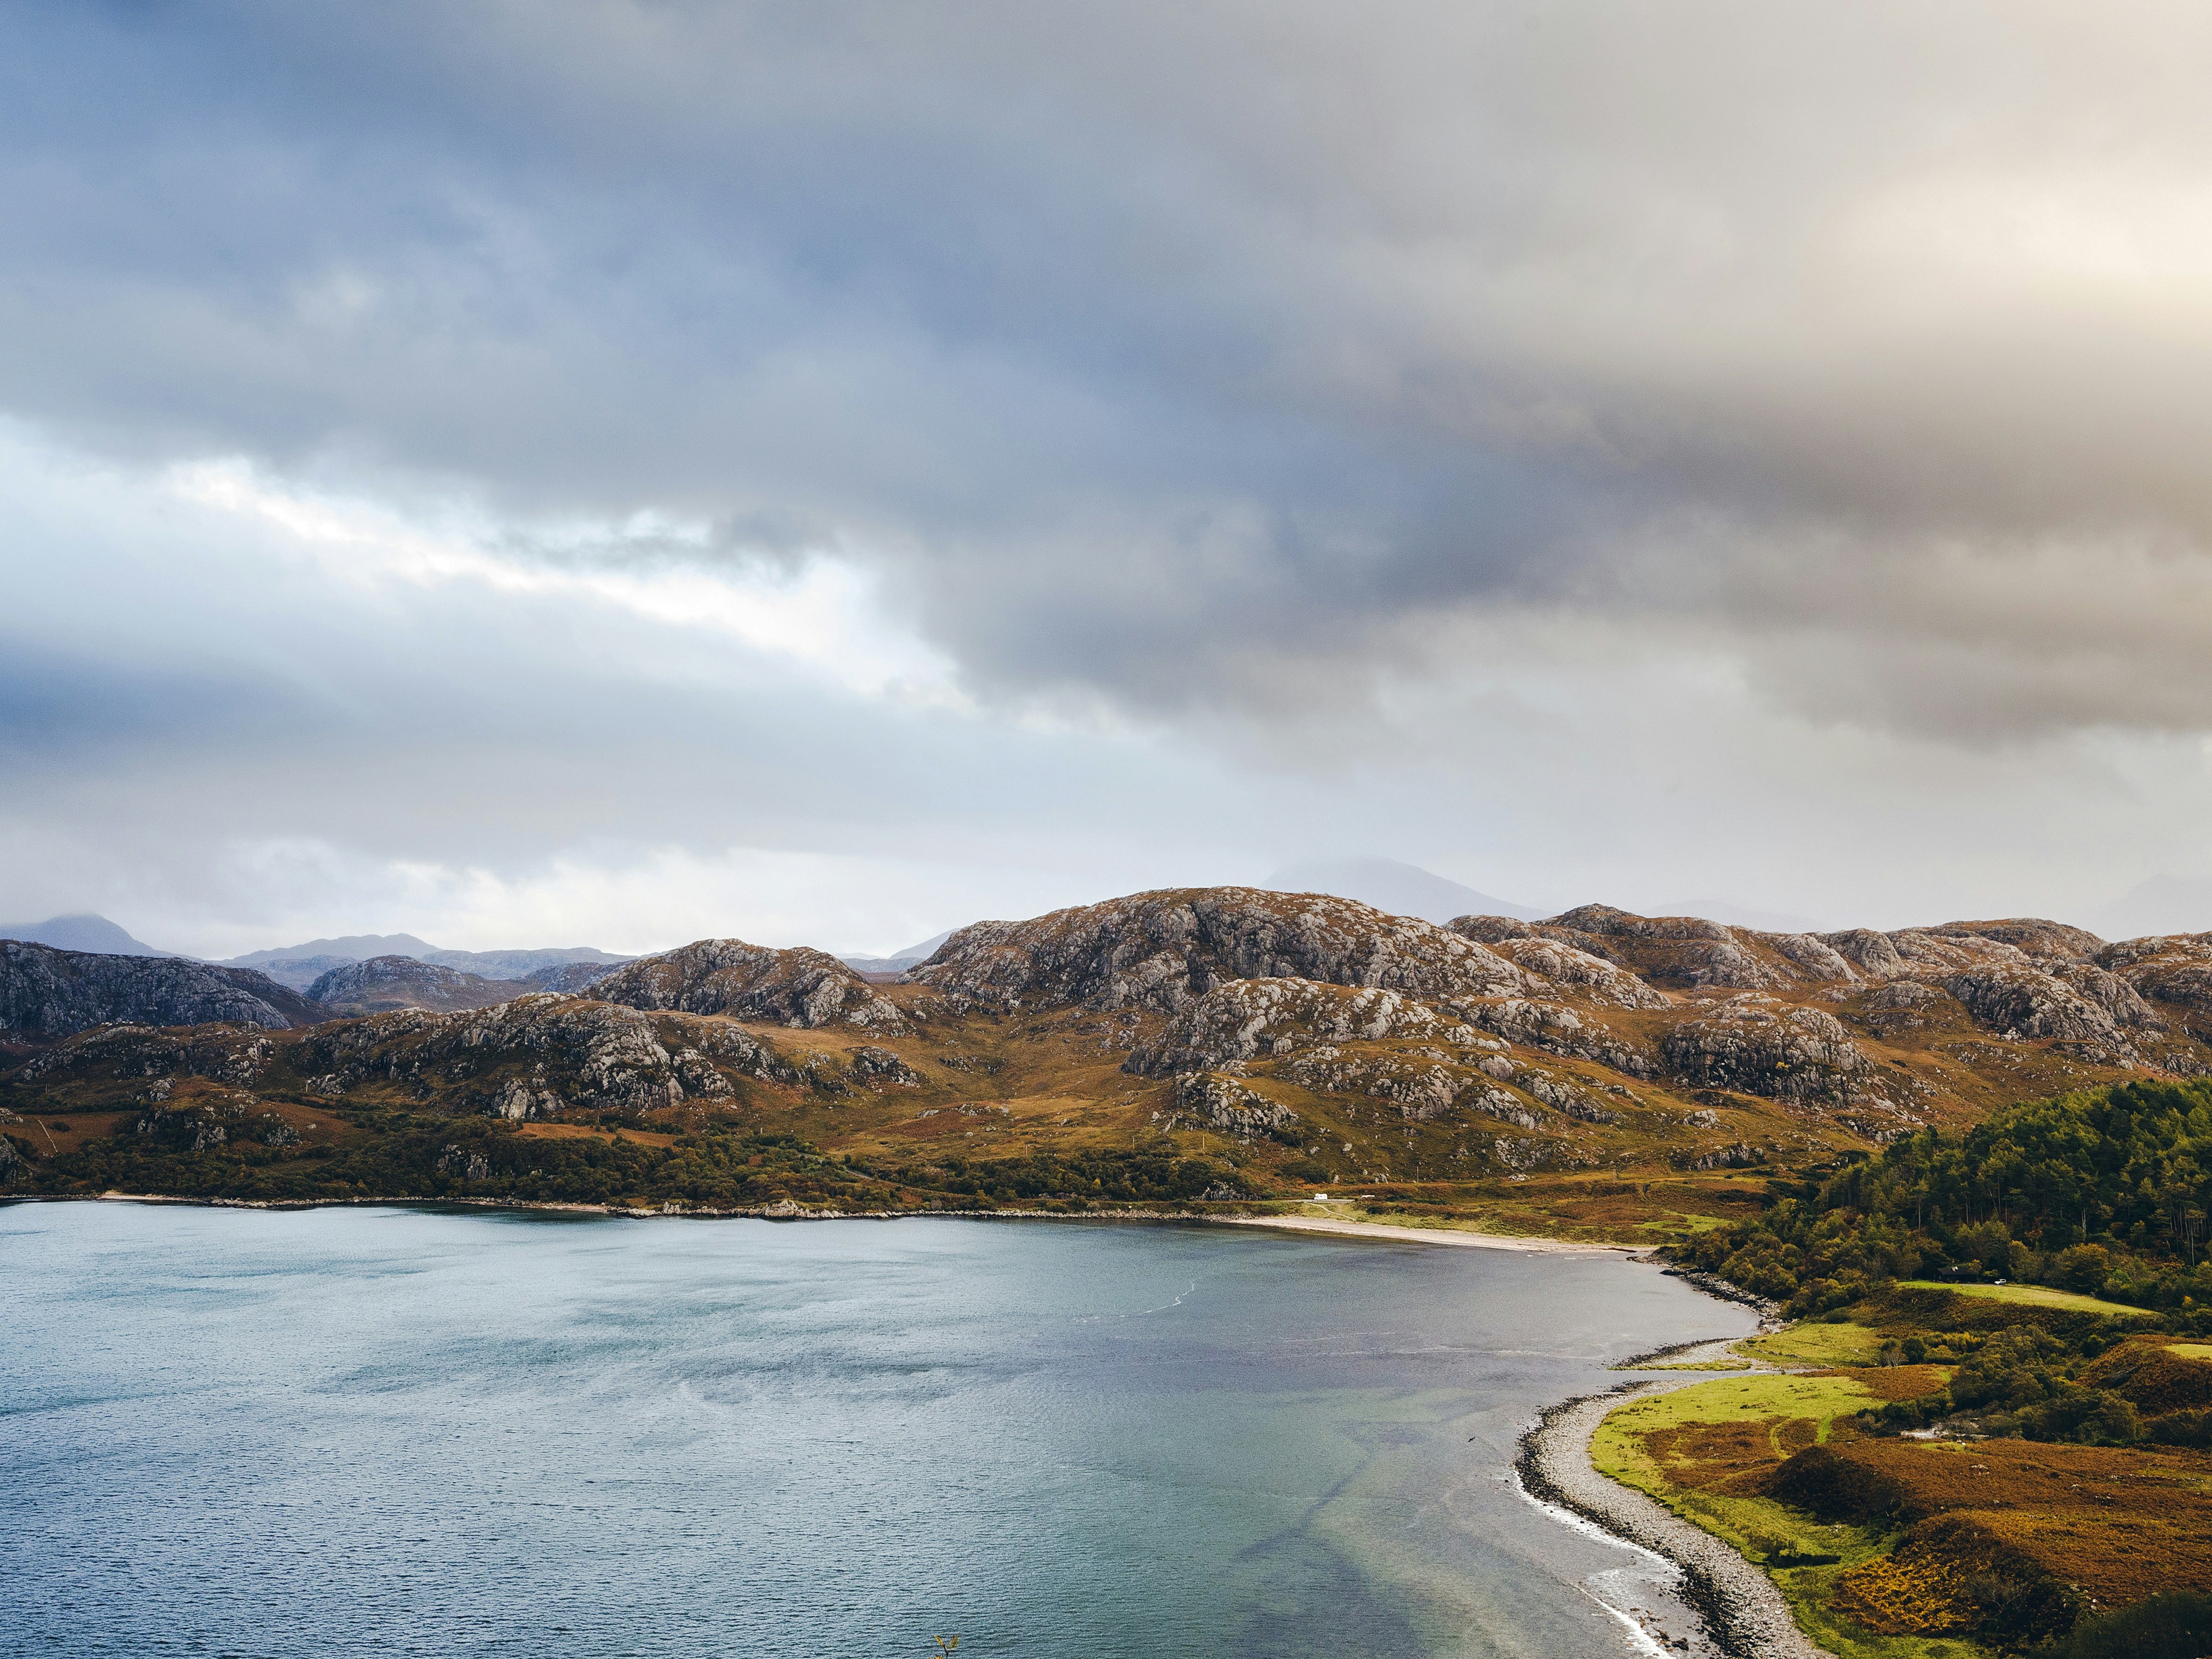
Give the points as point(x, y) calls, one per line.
point(1162, 950)
point(1282, 1041)
point(384, 983)
point(801, 987)
point(49, 992)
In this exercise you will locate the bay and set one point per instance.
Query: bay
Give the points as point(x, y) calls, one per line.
point(404, 1432)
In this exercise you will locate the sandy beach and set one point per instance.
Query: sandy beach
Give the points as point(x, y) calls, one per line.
point(1304, 1224)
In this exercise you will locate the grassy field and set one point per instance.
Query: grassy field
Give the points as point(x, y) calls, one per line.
point(2038, 1296)
point(1701, 1451)
point(1815, 1345)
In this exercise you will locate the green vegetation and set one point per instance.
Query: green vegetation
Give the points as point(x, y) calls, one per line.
point(1703, 1451)
point(2102, 1194)
point(1825, 1342)
point(2038, 1296)
point(2175, 1626)
point(392, 1154)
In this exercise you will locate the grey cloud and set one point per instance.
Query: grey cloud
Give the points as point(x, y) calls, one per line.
point(1192, 356)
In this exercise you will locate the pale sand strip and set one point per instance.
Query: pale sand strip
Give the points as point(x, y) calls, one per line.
point(1303, 1223)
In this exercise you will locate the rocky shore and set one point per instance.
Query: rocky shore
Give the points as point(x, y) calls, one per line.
point(1746, 1617)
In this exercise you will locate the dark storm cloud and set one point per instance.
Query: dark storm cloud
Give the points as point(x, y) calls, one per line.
point(1194, 356)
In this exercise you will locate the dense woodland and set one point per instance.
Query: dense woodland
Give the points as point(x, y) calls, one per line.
point(2103, 1192)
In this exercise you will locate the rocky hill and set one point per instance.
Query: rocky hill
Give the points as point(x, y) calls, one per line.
point(1293, 1039)
point(46, 992)
point(1161, 951)
point(384, 983)
point(801, 987)
point(567, 977)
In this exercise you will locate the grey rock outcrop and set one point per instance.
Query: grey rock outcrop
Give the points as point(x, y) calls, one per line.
point(48, 992)
point(382, 984)
point(536, 1055)
point(2038, 940)
point(2020, 1001)
point(568, 978)
point(2173, 972)
point(1578, 972)
point(1559, 1029)
point(1683, 951)
point(1164, 949)
point(878, 1066)
point(222, 1053)
point(1759, 1045)
point(1257, 1018)
point(1231, 1107)
point(800, 988)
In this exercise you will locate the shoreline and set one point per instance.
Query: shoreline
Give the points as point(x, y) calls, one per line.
point(1525, 1244)
point(1744, 1615)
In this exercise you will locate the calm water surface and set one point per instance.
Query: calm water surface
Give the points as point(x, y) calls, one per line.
point(395, 1432)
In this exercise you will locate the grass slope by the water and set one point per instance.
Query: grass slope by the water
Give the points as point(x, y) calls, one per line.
point(2033, 1296)
point(1701, 1451)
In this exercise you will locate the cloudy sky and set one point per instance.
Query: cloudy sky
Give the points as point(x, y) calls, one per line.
point(557, 473)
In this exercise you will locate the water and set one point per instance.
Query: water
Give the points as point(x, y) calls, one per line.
point(398, 1432)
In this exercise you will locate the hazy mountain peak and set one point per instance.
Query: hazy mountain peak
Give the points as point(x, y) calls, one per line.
point(96, 934)
point(1402, 890)
point(899, 961)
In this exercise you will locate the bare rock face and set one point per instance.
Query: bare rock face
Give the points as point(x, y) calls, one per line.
point(878, 1066)
point(1574, 971)
point(1165, 950)
point(2173, 972)
point(536, 1055)
point(1566, 1097)
point(2040, 941)
point(222, 1054)
point(1758, 1045)
point(1556, 1028)
point(1683, 951)
point(1231, 1107)
point(1258, 1018)
point(2017, 1001)
point(53, 994)
point(1907, 1005)
point(382, 984)
point(801, 987)
point(1872, 955)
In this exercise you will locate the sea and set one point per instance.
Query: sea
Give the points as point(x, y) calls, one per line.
point(406, 1431)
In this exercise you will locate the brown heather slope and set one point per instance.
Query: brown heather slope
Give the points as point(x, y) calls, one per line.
point(1601, 1074)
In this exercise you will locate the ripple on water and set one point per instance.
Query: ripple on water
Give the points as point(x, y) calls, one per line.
point(407, 1432)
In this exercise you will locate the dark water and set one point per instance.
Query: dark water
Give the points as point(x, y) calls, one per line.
point(400, 1432)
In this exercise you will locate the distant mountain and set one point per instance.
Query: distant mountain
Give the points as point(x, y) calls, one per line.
point(568, 978)
point(95, 934)
point(49, 992)
point(300, 965)
point(519, 964)
point(899, 962)
point(354, 947)
point(300, 972)
point(2164, 904)
point(384, 983)
point(1401, 890)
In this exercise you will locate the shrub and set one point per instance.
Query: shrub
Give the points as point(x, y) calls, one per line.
point(2175, 1626)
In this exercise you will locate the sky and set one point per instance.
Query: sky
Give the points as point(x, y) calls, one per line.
point(619, 473)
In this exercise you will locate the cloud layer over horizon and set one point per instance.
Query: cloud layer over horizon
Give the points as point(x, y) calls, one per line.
point(650, 470)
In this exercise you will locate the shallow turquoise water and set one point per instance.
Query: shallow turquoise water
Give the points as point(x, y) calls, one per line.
point(395, 1432)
